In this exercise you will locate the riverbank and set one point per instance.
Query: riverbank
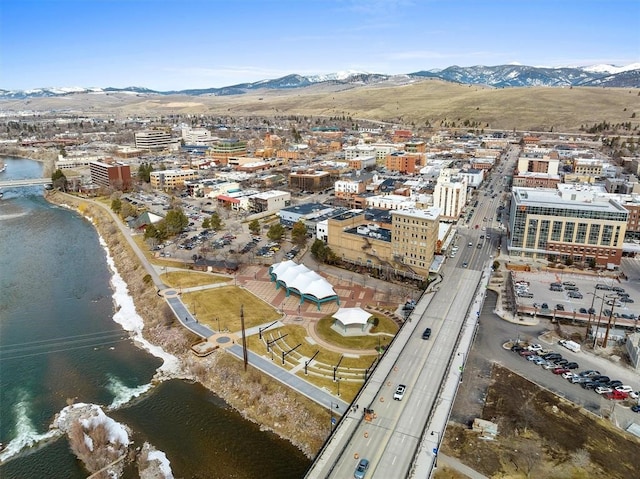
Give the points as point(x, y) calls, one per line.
point(258, 398)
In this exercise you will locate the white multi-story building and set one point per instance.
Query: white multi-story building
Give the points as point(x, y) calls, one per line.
point(391, 202)
point(196, 136)
point(154, 140)
point(273, 200)
point(450, 194)
point(378, 150)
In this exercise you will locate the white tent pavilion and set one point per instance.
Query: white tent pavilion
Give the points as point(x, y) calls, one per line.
point(350, 316)
point(298, 279)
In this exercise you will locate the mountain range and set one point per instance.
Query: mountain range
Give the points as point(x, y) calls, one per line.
point(500, 76)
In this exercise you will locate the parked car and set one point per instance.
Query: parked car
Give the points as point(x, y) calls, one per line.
point(552, 356)
point(534, 347)
point(616, 395)
point(544, 306)
point(626, 299)
point(538, 360)
point(624, 388)
point(576, 379)
point(636, 408)
point(571, 365)
point(568, 375)
point(399, 394)
point(559, 307)
point(589, 384)
point(526, 352)
point(361, 469)
point(603, 390)
point(560, 370)
point(589, 373)
point(614, 383)
point(561, 362)
point(516, 348)
point(532, 357)
point(583, 311)
point(600, 379)
point(549, 365)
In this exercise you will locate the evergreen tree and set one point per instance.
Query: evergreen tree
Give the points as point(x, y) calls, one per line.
point(116, 205)
point(254, 227)
point(59, 180)
point(276, 232)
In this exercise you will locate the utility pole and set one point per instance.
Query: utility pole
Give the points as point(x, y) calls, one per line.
point(244, 338)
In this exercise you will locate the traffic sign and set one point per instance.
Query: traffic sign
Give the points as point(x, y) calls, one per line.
point(333, 421)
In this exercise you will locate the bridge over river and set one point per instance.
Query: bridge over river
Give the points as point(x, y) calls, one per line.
point(25, 182)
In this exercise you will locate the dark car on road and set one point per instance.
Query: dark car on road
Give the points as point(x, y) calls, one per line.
point(426, 334)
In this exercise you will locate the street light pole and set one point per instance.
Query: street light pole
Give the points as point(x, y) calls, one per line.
point(435, 449)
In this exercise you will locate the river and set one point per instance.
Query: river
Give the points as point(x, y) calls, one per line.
point(59, 343)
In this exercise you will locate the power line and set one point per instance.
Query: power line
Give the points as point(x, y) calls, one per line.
point(38, 348)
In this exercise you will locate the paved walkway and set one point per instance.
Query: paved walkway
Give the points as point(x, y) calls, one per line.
point(454, 463)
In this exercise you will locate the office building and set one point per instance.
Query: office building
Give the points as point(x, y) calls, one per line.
point(573, 223)
point(116, 176)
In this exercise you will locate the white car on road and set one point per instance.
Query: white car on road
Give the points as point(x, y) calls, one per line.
point(399, 394)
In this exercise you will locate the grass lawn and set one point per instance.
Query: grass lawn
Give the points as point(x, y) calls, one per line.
point(298, 335)
point(349, 366)
point(385, 325)
point(224, 303)
point(187, 279)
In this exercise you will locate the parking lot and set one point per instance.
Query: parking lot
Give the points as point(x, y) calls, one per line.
point(574, 295)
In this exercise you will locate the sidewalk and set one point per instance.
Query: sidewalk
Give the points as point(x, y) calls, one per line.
point(454, 463)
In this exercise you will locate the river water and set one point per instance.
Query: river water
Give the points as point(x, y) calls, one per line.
point(59, 342)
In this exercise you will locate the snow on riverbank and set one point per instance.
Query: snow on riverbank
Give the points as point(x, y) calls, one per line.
point(127, 317)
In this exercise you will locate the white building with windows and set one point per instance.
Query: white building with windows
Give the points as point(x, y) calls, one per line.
point(196, 136)
point(450, 194)
point(159, 139)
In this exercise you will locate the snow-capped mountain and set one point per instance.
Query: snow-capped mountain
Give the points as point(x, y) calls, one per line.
point(611, 69)
point(500, 76)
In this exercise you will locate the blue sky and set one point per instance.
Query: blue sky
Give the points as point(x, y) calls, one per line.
point(181, 44)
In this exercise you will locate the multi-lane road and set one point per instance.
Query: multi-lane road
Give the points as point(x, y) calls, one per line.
point(391, 437)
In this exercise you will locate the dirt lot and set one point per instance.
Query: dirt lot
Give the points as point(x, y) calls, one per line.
point(540, 434)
